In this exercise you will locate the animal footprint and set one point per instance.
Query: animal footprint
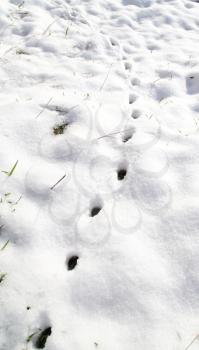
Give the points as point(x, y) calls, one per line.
point(72, 262)
point(135, 82)
point(132, 98)
point(42, 338)
point(121, 173)
point(95, 210)
point(127, 135)
point(127, 65)
point(96, 207)
point(136, 114)
point(192, 83)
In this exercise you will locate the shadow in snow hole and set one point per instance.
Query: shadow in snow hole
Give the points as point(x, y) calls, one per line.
point(95, 210)
point(121, 173)
point(42, 338)
point(72, 262)
point(128, 134)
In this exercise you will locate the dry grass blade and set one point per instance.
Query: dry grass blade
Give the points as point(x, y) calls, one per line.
point(44, 108)
point(115, 133)
point(194, 339)
point(63, 177)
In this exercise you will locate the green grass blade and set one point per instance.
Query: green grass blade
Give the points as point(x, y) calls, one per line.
point(5, 245)
point(13, 169)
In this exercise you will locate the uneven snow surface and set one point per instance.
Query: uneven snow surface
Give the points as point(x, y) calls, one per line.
point(105, 92)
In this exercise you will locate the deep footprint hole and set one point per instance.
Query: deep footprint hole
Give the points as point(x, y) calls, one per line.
point(95, 210)
point(72, 262)
point(121, 174)
point(42, 338)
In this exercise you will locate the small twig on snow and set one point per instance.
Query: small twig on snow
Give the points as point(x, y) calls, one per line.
point(188, 346)
point(63, 177)
point(115, 133)
point(47, 104)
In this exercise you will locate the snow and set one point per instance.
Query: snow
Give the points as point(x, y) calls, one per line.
point(99, 106)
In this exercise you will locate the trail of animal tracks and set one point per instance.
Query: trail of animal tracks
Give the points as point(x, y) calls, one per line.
point(99, 208)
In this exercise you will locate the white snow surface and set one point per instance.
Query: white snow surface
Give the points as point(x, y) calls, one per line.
point(122, 76)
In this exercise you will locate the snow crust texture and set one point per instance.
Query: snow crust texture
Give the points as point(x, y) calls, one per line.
point(99, 209)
